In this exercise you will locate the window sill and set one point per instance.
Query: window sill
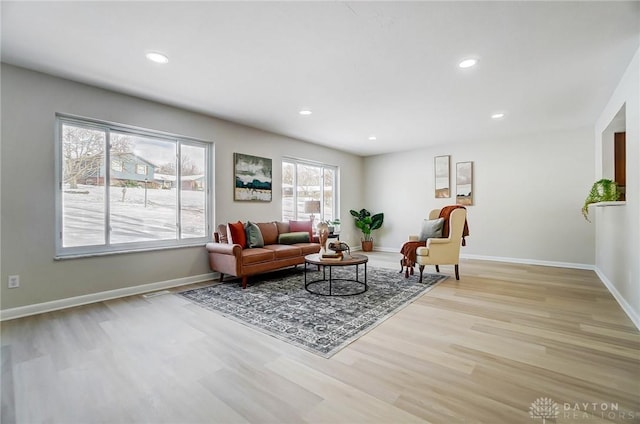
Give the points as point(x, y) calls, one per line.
point(62, 257)
point(602, 204)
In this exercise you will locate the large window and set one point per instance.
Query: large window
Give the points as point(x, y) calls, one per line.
point(307, 185)
point(156, 192)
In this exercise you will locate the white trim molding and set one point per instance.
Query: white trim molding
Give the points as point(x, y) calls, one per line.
point(505, 259)
point(633, 315)
point(556, 264)
point(54, 305)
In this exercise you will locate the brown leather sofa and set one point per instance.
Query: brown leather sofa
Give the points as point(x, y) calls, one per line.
point(231, 258)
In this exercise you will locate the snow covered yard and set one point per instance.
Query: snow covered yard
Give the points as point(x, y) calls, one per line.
point(131, 219)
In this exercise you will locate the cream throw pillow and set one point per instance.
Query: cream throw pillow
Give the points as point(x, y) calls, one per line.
point(431, 228)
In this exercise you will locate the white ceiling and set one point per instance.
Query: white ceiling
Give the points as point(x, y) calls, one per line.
point(387, 69)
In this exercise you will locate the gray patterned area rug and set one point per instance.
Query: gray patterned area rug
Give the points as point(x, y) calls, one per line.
point(278, 304)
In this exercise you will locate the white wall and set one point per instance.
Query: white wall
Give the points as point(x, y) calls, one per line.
point(29, 103)
point(618, 227)
point(528, 192)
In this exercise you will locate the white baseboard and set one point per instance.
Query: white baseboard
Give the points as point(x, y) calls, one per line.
point(506, 259)
point(54, 305)
point(633, 315)
point(382, 249)
point(556, 264)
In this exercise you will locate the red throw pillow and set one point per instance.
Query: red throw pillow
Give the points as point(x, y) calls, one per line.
point(296, 226)
point(238, 236)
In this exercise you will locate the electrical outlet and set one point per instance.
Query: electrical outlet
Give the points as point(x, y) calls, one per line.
point(14, 281)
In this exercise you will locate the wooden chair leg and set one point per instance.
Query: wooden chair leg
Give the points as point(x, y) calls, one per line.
point(421, 269)
point(221, 277)
point(401, 265)
point(244, 281)
point(437, 268)
point(457, 274)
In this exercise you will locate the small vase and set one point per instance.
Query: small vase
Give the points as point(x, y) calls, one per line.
point(323, 235)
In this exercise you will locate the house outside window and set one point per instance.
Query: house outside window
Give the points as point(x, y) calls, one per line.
point(129, 205)
point(305, 181)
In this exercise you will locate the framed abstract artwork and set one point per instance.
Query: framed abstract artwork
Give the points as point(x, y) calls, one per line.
point(464, 183)
point(442, 176)
point(252, 178)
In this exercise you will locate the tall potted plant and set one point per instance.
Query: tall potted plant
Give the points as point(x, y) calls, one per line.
point(366, 223)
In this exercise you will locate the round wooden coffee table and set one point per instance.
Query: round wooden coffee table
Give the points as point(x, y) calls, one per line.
point(347, 260)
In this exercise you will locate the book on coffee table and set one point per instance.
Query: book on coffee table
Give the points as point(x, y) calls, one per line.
point(336, 259)
point(335, 256)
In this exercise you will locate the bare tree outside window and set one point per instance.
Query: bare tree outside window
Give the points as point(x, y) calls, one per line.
point(82, 154)
point(83, 220)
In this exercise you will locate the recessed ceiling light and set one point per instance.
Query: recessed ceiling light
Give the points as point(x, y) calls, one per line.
point(305, 112)
point(157, 57)
point(373, 137)
point(498, 115)
point(468, 63)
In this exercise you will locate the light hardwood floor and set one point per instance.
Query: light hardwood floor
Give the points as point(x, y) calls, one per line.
point(478, 350)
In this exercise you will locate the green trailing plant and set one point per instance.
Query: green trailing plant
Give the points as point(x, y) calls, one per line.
point(366, 222)
point(602, 191)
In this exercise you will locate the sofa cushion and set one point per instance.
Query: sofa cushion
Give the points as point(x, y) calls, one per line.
point(282, 251)
point(257, 255)
point(295, 226)
point(269, 232)
point(291, 238)
point(308, 248)
point(254, 235)
point(283, 227)
point(237, 234)
point(431, 228)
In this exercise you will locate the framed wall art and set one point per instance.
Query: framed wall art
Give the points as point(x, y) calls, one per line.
point(442, 176)
point(464, 183)
point(253, 176)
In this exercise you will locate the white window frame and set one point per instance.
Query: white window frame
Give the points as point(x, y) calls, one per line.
point(141, 169)
point(107, 248)
point(336, 195)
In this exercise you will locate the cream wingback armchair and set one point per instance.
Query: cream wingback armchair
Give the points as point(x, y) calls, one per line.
point(443, 251)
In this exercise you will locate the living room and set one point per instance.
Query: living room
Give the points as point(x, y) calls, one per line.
point(529, 186)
